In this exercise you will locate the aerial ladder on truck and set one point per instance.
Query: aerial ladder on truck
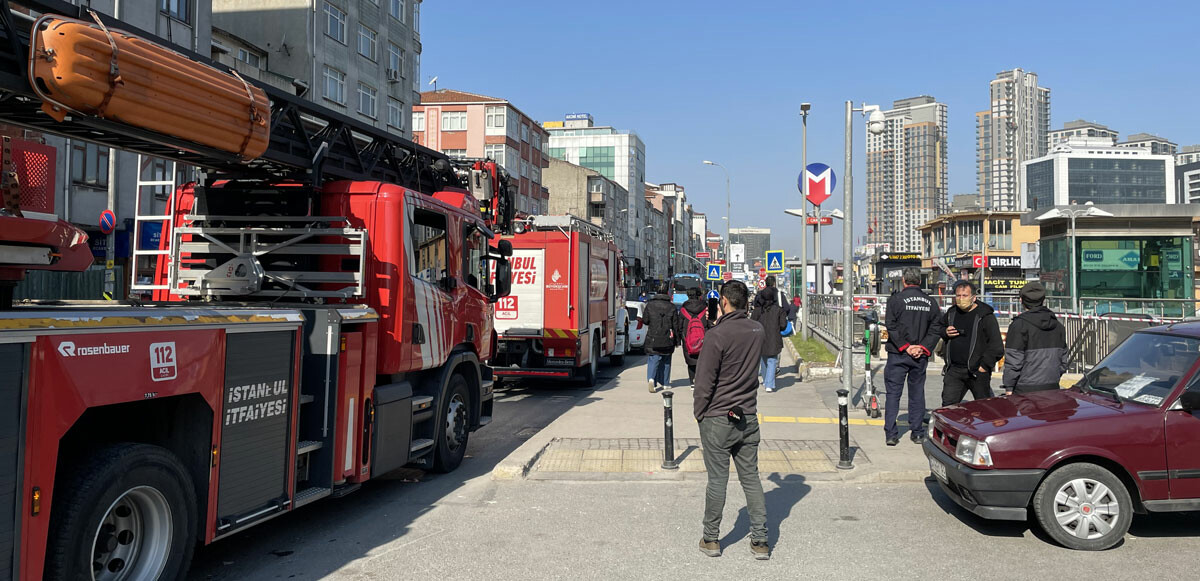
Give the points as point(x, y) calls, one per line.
point(322, 308)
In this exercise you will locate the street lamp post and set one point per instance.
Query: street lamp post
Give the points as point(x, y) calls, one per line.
point(875, 126)
point(1088, 211)
point(804, 107)
point(727, 207)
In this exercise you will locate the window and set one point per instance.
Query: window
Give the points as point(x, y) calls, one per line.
point(395, 113)
point(89, 164)
point(396, 9)
point(335, 23)
point(454, 120)
point(494, 152)
point(418, 124)
point(537, 140)
point(366, 100)
point(494, 121)
point(366, 42)
point(456, 153)
point(525, 133)
point(177, 9)
point(247, 57)
point(475, 266)
point(335, 85)
point(524, 169)
point(429, 243)
point(1000, 234)
point(416, 72)
point(395, 59)
point(417, 17)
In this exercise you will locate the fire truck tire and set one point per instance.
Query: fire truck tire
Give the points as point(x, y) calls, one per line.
point(128, 512)
point(591, 370)
point(453, 426)
point(616, 360)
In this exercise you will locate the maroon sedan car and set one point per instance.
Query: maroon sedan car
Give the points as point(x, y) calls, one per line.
point(1125, 439)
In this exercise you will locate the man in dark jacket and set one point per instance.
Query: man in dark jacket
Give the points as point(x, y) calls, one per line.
point(973, 346)
point(770, 312)
point(693, 308)
point(726, 405)
point(662, 319)
point(1035, 355)
point(913, 330)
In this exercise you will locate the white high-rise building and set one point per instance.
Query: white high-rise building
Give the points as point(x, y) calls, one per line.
point(1012, 131)
point(906, 172)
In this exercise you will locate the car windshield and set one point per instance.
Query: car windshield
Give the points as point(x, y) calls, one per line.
point(1145, 367)
point(683, 284)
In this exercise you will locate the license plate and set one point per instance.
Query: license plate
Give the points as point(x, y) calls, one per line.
point(938, 469)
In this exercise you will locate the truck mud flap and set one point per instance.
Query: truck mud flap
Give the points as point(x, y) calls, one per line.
point(13, 360)
point(256, 428)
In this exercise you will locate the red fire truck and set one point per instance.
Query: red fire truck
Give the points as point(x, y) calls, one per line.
point(561, 315)
point(324, 309)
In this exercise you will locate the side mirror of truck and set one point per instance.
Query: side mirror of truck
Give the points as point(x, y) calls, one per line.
point(504, 248)
point(503, 284)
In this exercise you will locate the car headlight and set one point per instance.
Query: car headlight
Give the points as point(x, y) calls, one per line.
point(973, 452)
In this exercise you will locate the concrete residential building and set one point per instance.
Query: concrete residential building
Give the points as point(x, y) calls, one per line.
point(1079, 128)
point(585, 193)
point(467, 125)
point(1151, 143)
point(1188, 154)
point(1090, 169)
point(1013, 130)
point(681, 227)
point(950, 243)
point(906, 172)
point(661, 236)
point(362, 59)
point(618, 155)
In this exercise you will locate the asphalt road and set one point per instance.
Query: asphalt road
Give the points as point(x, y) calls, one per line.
point(464, 525)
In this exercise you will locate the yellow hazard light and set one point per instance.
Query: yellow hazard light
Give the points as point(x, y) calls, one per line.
point(36, 505)
point(343, 343)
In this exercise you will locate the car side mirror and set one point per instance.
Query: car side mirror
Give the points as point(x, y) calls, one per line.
point(503, 284)
point(1189, 401)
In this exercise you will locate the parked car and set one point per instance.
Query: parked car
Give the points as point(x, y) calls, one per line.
point(1124, 439)
point(621, 344)
point(637, 328)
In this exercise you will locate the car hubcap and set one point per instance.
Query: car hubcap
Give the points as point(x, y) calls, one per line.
point(456, 422)
point(133, 540)
point(1085, 508)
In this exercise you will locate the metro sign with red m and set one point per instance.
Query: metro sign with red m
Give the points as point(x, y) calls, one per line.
point(821, 181)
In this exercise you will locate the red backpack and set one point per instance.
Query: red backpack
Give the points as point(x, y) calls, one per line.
point(693, 337)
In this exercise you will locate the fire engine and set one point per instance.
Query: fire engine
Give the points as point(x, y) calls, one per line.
point(322, 308)
point(565, 310)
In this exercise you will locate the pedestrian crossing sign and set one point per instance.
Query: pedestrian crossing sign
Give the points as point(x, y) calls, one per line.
point(714, 271)
point(774, 261)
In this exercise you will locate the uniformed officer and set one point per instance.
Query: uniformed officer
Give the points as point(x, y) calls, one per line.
point(913, 325)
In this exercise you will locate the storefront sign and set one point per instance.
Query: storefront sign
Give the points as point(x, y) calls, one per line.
point(1003, 284)
point(904, 256)
point(1004, 262)
point(1110, 259)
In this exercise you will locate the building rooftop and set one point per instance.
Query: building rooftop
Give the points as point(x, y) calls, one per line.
point(1138, 137)
point(452, 96)
point(1080, 124)
point(1189, 149)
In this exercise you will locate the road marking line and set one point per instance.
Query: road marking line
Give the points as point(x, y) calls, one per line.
point(780, 419)
point(814, 420)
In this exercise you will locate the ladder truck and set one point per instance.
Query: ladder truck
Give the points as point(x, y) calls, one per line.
point(320, 313)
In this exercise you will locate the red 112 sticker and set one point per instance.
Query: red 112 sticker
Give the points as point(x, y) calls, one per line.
point(162, 361)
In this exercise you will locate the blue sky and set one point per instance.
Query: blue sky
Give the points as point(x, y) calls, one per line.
point(723, 80)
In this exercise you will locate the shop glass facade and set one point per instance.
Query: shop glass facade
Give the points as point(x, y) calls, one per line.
point(1151, 267)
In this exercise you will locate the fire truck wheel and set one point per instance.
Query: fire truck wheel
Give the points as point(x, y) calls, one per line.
point(589, 371)
point(453, 426)
point(128, 512)
point(616, 360)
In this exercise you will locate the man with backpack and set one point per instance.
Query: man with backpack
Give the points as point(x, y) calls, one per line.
point(694, 324)
point(770, 312)
point(662, 324)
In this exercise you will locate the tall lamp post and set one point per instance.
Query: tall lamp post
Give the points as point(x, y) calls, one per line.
point(1088, 211)
point(804, 107)
point(727, 206)
point(875, 124)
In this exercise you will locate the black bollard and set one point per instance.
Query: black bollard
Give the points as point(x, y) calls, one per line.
point(844, 429)
point(668, 434)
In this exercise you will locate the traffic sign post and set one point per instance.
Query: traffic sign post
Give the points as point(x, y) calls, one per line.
point(774, 262)
point(714, 271)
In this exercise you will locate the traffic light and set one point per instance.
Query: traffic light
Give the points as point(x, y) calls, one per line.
point(672, 253)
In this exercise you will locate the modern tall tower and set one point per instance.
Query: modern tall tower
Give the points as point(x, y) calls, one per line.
point(906, 173)
point(1013, 130)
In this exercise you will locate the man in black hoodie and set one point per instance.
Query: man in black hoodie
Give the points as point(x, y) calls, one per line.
point(692, 314)
point(662, 320)
point(1035, 355)
point(912, 325)
point(973, 346)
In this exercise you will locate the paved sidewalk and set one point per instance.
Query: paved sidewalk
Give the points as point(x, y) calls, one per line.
point(615, 432)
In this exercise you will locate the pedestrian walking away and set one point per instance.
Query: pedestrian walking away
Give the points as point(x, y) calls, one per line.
point(912, 323)
point(725, 404)
point(972, 346)
point(770, 311)
point(1035, 353)
point(693, 325)
point(662, 322)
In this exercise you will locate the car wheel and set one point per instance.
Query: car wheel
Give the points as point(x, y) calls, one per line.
point(1083, 507)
